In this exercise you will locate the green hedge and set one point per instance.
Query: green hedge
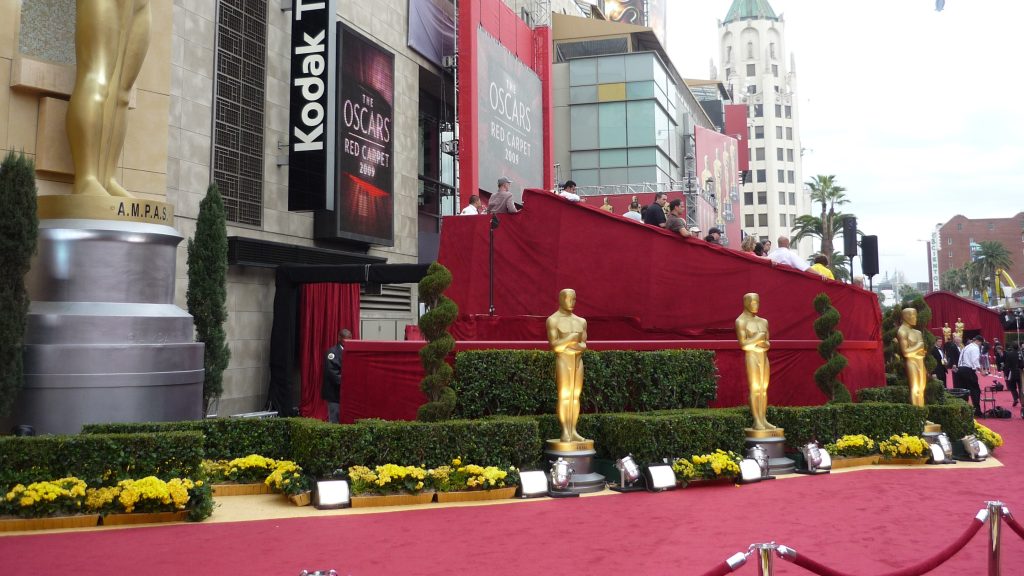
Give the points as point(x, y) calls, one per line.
point(226, 438)
point(934, 393)
point(100, 459)
point(955, 416)
point(827, 423)
point(521, 382)
point(320, 448)
point(651, 437)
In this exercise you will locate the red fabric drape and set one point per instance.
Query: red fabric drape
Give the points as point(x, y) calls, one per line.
point(324, 309)
point(947, 307)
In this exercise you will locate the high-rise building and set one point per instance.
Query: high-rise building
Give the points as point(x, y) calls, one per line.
point(754, 66)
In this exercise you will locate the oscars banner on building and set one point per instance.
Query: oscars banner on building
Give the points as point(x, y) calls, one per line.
point(718, 177)
point(511, 143)
point(365, 177)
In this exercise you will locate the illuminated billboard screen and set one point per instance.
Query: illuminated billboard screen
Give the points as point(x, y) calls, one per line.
point(510, 119)
point(365, 112)
point(717, 160)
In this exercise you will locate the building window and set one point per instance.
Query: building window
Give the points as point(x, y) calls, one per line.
point(950, 253)
point(790, 176)
point(991, 226)
point(758, 131)
point(778, 154)
point(789, 133)
point(728, 56)
point(771, 49)
point(792, 220)
point(762, 176)
point(748, 220)
point(959, 226)
point(778, 110)
point(949, 241)
point(789, 155)
point(759, 154)
point(728, 73)
point(781, 176)
point(792, 198)
point(782, 220)
point(751, 88)
point(748, 198)
point(789, 111)
point(782, 197)
point(762, 197)
point(778, 131)
point(758, 110)
point(750, 49)
point(775, 70)
point(239, 100)
point(762, 220)
point(751, 69)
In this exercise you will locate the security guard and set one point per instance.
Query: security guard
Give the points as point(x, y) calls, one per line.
point(330, 392)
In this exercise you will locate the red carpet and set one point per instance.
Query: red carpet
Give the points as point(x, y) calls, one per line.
point(865, 523)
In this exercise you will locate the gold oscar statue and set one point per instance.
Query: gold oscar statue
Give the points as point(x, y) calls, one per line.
point(912, 348)
point(960, 328)
point(752, 334)
point(112, 37)
point(567, 334)
point(947, 332)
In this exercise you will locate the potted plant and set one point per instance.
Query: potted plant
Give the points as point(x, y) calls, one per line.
point(904, 449)
point(389, 485)
point(288, 479)
point(470, 482)
point(239, 476)
point(146, 500)
point(853, 450)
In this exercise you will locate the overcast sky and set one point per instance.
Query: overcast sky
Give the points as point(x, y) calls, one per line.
point(918, 113)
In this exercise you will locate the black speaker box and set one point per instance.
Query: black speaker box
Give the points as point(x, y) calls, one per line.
point(869, 258)
point(850, 236)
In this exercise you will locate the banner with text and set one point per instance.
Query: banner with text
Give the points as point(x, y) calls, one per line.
point(311, 114)
point(365, 179)
point(717, 160)
point(510, 116)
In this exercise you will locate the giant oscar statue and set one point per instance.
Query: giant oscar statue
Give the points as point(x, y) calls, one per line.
point(105, 341)
point(752, 335)
point(913, 350)
point(567, 335)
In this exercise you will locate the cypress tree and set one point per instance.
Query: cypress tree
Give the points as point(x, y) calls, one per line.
point(207, 290)
point(827, 375)
point(19, 227)
point(441, 312)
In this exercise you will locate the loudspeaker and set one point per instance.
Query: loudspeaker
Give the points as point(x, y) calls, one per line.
point(869, 260)
point(850, 236)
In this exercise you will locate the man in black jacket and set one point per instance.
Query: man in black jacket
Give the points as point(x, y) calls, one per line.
point(655, 213)
point(330, 391)
point(953, 359)
point(940, 361)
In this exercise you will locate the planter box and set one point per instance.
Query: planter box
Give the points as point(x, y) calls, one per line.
point(477, 495)
point(849, 462)
point(240, 489)
point(905, 461)
point(301, 499)
point(392, 500)
point(711, 482)
point(144, 518)
point(56, 522)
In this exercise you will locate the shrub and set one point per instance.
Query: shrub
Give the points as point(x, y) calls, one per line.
point(991, 439)
point(522, 382)
point(441, 312)
point(826, 328)
point(226, 438)
point(652, 437)
point(934, 393)
point(18, 230)
point(955, 416)
point(852, 446)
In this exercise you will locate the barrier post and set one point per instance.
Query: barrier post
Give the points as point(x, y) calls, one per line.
point(995, 509)
point(764, 561)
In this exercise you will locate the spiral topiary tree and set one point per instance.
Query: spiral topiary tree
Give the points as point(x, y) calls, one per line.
point(827, 375)
point(207, 294)
point(19, 226)
point(441, 312)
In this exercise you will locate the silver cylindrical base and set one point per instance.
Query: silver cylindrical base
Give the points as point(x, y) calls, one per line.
point(105, 342)
point(778, 463)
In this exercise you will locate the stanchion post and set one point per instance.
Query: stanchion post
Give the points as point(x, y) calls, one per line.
point(765, 553)
point(995, 509)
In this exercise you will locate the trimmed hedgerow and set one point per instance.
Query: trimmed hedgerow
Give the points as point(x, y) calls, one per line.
point(934, 393)
point(226, 438)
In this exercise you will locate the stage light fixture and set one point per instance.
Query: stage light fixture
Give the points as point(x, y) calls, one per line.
point(976, 449)
point(629, 475)
point(936, 453)
point(659, 477)
point(331, 494)
point(561, 479)
point(532, 483)
point(750, 471)
point(816, 459)
point(947, 447)
point(759, 454)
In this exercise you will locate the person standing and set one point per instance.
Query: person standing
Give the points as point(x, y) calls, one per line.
point(952, 349)
point(967, 371)
point(473, 207)
point(941, 366)
point(501, 202)
point(675, 223)
point(330, 391)
point(634, 212)
point(1012, 365)
point(821, 267)
point(655, 214)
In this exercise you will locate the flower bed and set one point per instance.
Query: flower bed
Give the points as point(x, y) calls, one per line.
point(991, 439)
point(719, 465)
point(904, 449)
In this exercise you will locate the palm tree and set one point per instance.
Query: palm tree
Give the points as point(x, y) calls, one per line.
point(839, 264)
point(989, 257)
point(825, 191)
point(953, 280)
point(808, 226)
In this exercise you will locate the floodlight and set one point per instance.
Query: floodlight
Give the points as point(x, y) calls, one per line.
point(937, 455)
point(561, 474)
point(947, 446)
point(629, 475)
point(532, 483)
point(816, 459)
point(750, 471)
point(976, 450)
point(659, 477)
point(758, 454)
point(319, 573)
point(331, 494)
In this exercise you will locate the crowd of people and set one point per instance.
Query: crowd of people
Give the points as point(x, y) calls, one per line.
point(966, 362)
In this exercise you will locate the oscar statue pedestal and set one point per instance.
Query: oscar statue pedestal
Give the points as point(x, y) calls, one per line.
point(105, 341)
point(773, 442)
point(580, 456)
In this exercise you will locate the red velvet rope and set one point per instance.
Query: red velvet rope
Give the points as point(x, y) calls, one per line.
point(719, 570)
point(915, 570)
point(1014, 525)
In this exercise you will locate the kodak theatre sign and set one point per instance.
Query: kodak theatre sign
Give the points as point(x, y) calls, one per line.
point(311, 115)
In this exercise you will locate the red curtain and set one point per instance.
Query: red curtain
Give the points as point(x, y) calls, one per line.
point(324, 309)
point(947, 307)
